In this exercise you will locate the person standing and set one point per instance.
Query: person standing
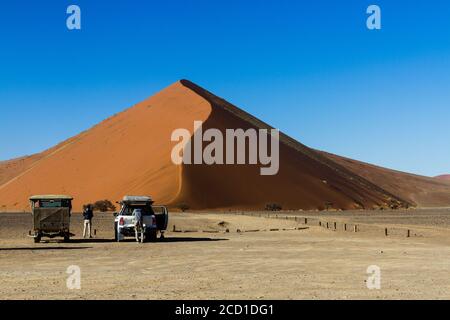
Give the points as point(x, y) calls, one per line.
point(88, 214)
point(138, 227)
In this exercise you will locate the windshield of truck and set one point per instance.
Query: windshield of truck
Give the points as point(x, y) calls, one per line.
point(53, 204)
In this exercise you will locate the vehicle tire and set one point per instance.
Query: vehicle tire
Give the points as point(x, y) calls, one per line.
point(37, 239)
point(151, 236)
point(116, 235)
point(66, 238)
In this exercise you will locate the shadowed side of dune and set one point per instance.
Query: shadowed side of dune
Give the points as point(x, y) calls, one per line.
point(306, 179)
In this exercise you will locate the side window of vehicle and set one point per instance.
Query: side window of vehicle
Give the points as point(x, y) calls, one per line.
point(123, 211)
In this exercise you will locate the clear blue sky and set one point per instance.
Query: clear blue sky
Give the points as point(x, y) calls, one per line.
point(311, 69)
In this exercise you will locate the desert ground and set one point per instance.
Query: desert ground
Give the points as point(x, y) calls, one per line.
point(293, 261)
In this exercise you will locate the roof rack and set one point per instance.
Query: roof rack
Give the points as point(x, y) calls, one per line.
point(51, 197)
point(137, 199)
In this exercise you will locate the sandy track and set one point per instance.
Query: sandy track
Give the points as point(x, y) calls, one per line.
point(312, 263)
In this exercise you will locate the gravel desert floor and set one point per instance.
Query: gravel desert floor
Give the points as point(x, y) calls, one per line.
point(285, 259)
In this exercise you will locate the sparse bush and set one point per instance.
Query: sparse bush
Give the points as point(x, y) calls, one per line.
point(183, 207)
point(223, 224)
point(273, 207)
point(328, 205)
point(103, 206)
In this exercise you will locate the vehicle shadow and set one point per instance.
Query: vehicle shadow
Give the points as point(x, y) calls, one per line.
point(190, 239)
point(43, 248)
point(93, 240)
point(165, 240)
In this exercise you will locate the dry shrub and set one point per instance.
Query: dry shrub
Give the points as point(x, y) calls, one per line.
point(273, 207)
point(103, 206)
point(183, 207)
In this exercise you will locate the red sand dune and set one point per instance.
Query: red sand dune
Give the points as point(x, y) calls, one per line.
point(419, 190)
point(443, 177)
point(130, 153)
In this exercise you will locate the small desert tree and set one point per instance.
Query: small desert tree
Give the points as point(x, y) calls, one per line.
point(328, 205)
point(104, 206)
point(273, 207)
point(183, 207)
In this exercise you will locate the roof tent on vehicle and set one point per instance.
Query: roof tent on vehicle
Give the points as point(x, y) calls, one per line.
point(134, 199)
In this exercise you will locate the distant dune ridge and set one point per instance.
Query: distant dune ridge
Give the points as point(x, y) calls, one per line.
point(443, 177)
point(419, 190)
point(130, 153)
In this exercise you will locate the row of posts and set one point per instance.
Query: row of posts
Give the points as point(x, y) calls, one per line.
point(355, 227)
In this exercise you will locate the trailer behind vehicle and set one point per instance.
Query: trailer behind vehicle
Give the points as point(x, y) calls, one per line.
point(51, 216)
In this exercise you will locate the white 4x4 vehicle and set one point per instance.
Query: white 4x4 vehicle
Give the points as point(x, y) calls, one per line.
point(154, 218)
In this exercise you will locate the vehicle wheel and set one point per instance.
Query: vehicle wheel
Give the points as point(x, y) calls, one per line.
point(151, 236)
point(37, 239)
point(66, 238)
point(116, 235)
